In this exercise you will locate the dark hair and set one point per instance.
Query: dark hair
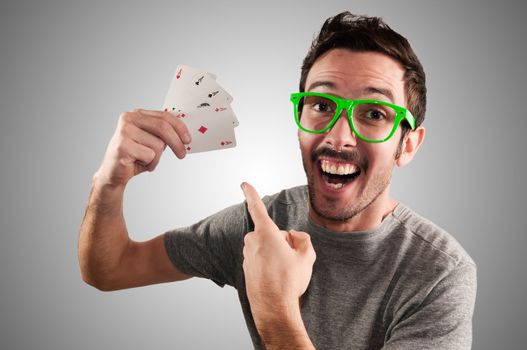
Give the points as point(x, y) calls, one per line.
point(362, 33)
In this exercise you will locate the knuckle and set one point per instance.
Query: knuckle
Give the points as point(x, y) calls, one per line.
point(124, 129)
point(159, 148)
point(163, 127)
point(180, 125)
point(122, 147)
point(166, 115)
point(125, 117)
point(248, 237)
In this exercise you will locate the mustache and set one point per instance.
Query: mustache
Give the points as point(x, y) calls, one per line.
point(348, 156)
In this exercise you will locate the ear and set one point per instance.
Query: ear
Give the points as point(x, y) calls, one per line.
point(411, 144)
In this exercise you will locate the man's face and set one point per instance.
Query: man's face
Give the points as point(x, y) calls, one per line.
point(351, 75)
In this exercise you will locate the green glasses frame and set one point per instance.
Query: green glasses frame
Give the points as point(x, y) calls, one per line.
point(348, 105)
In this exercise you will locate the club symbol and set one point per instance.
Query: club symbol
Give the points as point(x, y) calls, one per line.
point(202, 129)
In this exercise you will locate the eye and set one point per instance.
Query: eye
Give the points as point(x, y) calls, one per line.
point(322, 106)
point(375, 114)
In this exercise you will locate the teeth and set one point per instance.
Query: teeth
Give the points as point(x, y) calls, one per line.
point(340, 169)
point(335, 186)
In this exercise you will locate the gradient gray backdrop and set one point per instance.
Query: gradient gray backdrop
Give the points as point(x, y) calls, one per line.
point(69, 68)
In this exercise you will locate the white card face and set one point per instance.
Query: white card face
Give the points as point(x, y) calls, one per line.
point(182, 80)
point(210, 130)
point(193, 88)
point(203, 105)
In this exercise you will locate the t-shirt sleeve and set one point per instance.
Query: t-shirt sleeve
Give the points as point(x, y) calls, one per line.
point(444, 319)
point(212, 247)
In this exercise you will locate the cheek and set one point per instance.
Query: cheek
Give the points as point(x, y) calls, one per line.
point(307, 143)
point(379, 155)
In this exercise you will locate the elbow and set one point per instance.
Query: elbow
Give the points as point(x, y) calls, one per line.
point(96, 280)
point(96, 283)
point(93, 275)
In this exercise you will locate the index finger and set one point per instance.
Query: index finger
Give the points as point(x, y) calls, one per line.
point(256, 207)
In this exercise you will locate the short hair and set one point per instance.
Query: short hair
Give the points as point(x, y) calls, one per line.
point(362, 34)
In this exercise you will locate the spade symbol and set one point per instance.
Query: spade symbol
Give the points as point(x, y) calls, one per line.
point(212, 94)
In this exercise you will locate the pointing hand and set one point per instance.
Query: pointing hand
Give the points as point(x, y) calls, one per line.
point(277, 264)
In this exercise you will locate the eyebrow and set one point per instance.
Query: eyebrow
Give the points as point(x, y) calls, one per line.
point(367, 91)
point(316, 84)
point(373, 90)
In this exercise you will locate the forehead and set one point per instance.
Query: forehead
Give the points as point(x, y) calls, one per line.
point(354, 72)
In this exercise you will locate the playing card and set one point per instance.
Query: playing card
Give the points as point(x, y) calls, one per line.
point(194, 88)
point(203, 105)
point(176, 97)
point(205, 91)
point(210, 130)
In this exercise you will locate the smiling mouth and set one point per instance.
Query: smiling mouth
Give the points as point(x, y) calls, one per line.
point(337, 174)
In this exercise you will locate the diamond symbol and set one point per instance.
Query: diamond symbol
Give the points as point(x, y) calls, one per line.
point(202, 129)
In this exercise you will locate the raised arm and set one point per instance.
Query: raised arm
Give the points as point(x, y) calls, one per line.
point(108, 258)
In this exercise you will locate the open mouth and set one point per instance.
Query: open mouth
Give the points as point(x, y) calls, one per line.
point(337, 174)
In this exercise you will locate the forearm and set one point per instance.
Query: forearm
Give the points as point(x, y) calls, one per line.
point(283, 328)
point(103, 237)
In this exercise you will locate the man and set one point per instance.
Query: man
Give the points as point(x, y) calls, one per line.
point(336, 264)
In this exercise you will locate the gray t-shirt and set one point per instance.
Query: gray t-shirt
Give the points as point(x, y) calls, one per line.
point(406, 285)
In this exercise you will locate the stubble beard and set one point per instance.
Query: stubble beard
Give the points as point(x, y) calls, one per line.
point(331, 210)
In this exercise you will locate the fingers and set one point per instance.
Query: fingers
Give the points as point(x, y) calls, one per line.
point(163, 125)
point(256, 207)
point(151, 141)
point(138, 152)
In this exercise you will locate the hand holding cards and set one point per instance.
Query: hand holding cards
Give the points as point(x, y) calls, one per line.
point(203, 105)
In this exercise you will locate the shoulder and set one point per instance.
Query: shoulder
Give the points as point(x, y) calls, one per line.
point(427, 240)
point(288, 205)
point(289, 196)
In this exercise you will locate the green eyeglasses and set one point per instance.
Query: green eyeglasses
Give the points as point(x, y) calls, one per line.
point(370, 120)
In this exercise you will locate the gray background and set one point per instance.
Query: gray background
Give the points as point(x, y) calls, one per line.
point(68, 69)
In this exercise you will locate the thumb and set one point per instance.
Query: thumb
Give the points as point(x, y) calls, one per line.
point(300, 241)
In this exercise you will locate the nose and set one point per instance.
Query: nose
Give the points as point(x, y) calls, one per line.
point(340, 136)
